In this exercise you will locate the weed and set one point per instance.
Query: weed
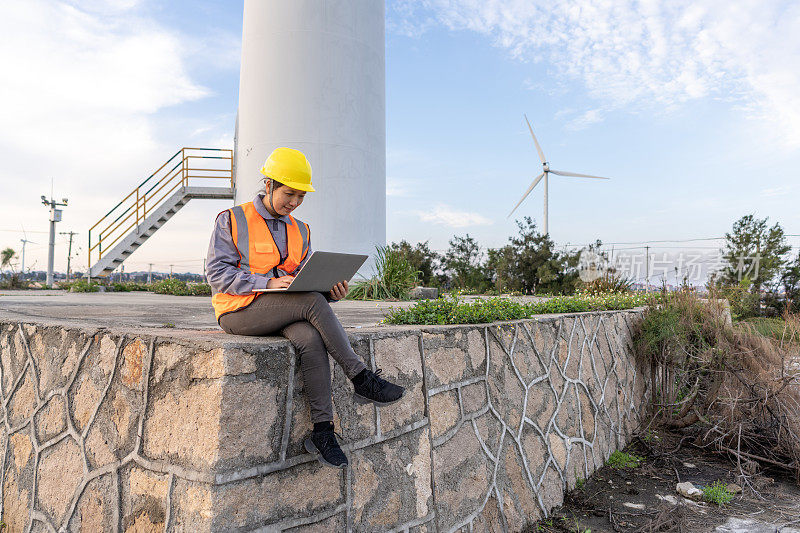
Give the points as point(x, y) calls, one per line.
point(178, 287)
point(451, 311)
point(619, 460)
point(580, 483)
point(393, 279)
point(83, 285)
point(168, 325)
point(717, 493)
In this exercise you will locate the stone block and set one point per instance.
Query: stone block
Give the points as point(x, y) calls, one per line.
point(16, 499)
point(519, 499)
point(490, 519)
point(506, 391)
point(57, 352)
point(59, 475)
point(94, 373)
point(305, 490)
point(552, 488)
point(453, 355)
point(567, 416)
point(392, 482)
point(51, 419)
point(473, 397)
point(336, 522)
point(192, 506)
point(535, 452)
point(489, 430)
point(462, 477)
point(143, 499)
point(444, 412)
point(95, 509)
point(525, 355)
point(542, 403)
point(401, 362)
point(183, 426)
point(424, 293)
point(23, 400)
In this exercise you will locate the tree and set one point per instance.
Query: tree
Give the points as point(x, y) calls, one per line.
point(6, 257)
point(791, 284)
point(754, 251)
point(530, 263)
point(421, 257)
point(463, 262)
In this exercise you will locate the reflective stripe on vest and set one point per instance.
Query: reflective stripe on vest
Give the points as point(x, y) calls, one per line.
point(258, 252)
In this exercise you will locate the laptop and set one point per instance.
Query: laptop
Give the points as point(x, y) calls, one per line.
point(322, 271)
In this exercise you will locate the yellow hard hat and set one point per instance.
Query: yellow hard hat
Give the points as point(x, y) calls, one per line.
point(290, 167)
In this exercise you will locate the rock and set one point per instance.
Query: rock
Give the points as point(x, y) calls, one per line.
point(424, 293)
point(734, 488)
point(687, 490)
point(638, 506)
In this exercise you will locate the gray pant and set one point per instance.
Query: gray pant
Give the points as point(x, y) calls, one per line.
point(307, 320)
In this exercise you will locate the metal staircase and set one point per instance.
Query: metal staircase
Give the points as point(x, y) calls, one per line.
point(149, 206)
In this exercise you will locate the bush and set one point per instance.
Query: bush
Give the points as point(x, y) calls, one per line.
point(394, 277)
point(83, 285)
point(128, 286)
point(717, 493)
point(620, 460)
point(608, 283)
point(451, 311)
point(178, 287)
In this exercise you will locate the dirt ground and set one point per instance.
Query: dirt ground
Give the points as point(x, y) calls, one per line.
point(644, 499)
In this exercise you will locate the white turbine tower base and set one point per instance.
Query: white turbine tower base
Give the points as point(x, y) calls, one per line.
point(546, 171)
point(313, 78)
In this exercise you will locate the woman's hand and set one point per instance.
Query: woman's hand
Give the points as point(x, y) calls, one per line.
point(339, 291)
point(280, 283)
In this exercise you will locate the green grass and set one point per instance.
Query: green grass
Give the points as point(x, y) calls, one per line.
point(393, 279)
point(180, 288)
point(451, 311)
point(619, 460)
point(768, 327)
point(717, 493)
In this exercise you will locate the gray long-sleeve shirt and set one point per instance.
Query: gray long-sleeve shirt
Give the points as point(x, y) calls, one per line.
point(221, 271)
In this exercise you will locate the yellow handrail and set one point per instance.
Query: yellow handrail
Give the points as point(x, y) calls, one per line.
point(176, 172)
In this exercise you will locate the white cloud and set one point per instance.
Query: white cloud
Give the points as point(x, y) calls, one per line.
point(82, 90)
point(645, 53)
point(396, 188)
point(447, 216)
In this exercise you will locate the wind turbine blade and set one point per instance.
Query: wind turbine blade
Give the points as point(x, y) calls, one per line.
point(563, 173)
point(538, 148)
point(535, 182)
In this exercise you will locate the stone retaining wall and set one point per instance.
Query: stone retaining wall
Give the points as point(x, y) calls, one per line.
point(133, 431)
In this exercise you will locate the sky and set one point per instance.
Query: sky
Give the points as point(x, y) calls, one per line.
point(689, 107)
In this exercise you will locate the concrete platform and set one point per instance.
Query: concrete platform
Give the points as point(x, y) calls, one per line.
point(148, 310)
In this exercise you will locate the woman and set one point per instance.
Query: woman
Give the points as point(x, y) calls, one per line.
point(259, 245)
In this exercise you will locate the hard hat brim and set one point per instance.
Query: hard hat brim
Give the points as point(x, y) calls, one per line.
point(307, 187)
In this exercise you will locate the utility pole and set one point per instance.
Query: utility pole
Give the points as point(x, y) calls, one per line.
point(170, 271)
point(204, 270)
point(647, 268)
point(55, 216)
point(69, 251)
point(150, 273)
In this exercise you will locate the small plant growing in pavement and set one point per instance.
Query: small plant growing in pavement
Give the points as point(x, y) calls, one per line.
point(717, 493)
point(620, 460)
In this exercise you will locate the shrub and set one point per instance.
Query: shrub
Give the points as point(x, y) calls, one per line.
point(83, 285)
point(608, 283)
point(451, 311)
point(717, 493)
point(619, 460)
point(178, 287)
point(394, 277)
point(128, 286)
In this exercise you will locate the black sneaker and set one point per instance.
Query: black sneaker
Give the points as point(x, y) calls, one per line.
point(323, 444)
point(374, 388)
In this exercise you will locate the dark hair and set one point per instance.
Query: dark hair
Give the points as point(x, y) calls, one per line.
point(277, 183)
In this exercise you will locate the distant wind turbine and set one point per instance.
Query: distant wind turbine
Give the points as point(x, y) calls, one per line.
point(24, 242)
point(545, 172)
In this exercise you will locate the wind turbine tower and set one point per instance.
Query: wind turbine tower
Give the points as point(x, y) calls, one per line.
point(313, 78)
point(546, 171)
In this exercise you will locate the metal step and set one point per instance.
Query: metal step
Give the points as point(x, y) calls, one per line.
point(127, 245)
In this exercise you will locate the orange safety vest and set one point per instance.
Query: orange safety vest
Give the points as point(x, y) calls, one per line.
point(258, 252)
